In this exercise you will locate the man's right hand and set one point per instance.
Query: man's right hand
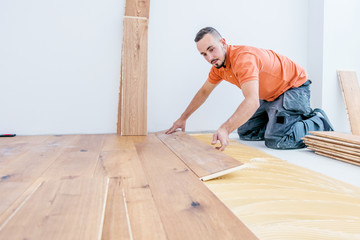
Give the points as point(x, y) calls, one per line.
point(180, 123)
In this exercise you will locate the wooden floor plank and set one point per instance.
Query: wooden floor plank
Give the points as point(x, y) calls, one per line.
point(205, 161)
point(120, 161)
point(345, 137)
point(334, 152)
point(61, 209)
point(21, 170)
point(333, 142)
point(187, 208)
point(333, 147)
point(341, 158)
point(79, 160)
point(351, 92)
point(116, 225)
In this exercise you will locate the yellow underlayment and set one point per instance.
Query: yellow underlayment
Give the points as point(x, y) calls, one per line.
point(279, 200)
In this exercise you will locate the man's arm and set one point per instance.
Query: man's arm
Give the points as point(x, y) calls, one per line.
point(195, 103)
point(242, 114)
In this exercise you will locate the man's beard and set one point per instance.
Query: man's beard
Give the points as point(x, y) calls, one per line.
point(221, 65)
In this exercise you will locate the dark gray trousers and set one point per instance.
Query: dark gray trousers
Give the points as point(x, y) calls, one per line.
point(283, 123)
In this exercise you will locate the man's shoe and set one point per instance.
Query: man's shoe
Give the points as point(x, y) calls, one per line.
point(327, 125)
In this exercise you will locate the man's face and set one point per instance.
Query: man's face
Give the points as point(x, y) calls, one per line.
point(213, 50)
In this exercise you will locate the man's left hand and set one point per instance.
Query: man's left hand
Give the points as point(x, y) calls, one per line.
point(221, 135)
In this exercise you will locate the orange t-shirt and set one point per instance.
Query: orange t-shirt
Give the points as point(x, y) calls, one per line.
point(276, 73)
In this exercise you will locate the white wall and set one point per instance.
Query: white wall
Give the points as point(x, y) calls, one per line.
point(59, 66)
point(60, 60)
point(315, 50)
point(176, 69)
point(341, 52)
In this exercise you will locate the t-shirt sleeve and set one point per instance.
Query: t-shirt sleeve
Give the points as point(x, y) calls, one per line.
point(213, 77)
point(246, 68)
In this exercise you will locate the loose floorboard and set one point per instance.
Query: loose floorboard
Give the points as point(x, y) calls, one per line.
point(344, 137)
point(205, 161)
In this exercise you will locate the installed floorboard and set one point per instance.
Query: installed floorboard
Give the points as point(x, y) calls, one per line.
point(129, 184)
point(79, 160)
point(187, 208)
point(62, 209)
point(22, 167)
point(205, 161)
point(116, 224)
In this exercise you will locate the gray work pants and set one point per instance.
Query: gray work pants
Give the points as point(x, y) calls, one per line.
point(283, 123)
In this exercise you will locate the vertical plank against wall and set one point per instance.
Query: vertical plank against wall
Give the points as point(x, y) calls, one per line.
point(137, 8)
point(351, 92)
point(132, 111)
point(133, 92)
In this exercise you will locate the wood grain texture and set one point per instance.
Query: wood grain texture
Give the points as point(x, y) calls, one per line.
point(335, 156)
point(330, 151)
point(132, 113)
point(116, 225)
point(128, 183)
point(61, 209)
point(333, 142)
point(201, 158)
point(137, 8)
point(344, 137)
point(79, 160)
point(333, 147)
point(187, 208)
point(351, 93)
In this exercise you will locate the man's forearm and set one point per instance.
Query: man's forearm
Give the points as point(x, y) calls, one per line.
point(242, 114)
point(195, 103)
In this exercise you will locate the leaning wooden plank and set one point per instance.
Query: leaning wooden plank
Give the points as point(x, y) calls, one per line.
point(188, 209)
point(345, 137)
point(205, 161)
point(119, 160)
point(137, 8)
point(351, 93)
point(334, 142)
point(132, 118)
point(62, 209)
point(343, 159)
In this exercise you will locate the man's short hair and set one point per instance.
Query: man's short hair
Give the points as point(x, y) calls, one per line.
point(207, 30)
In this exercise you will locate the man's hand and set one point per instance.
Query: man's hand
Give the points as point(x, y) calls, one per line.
point(221, 135)
point(180, 123)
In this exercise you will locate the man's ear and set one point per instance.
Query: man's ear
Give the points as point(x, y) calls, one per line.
point(223, 42)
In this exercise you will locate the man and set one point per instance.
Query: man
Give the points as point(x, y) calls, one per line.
point(276, 107)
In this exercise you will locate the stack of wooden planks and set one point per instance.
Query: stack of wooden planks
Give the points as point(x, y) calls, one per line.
point(106, 187)
point(340, 146)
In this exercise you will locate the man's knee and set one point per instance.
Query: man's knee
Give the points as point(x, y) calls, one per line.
point(292, 140)
point(256, 134)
